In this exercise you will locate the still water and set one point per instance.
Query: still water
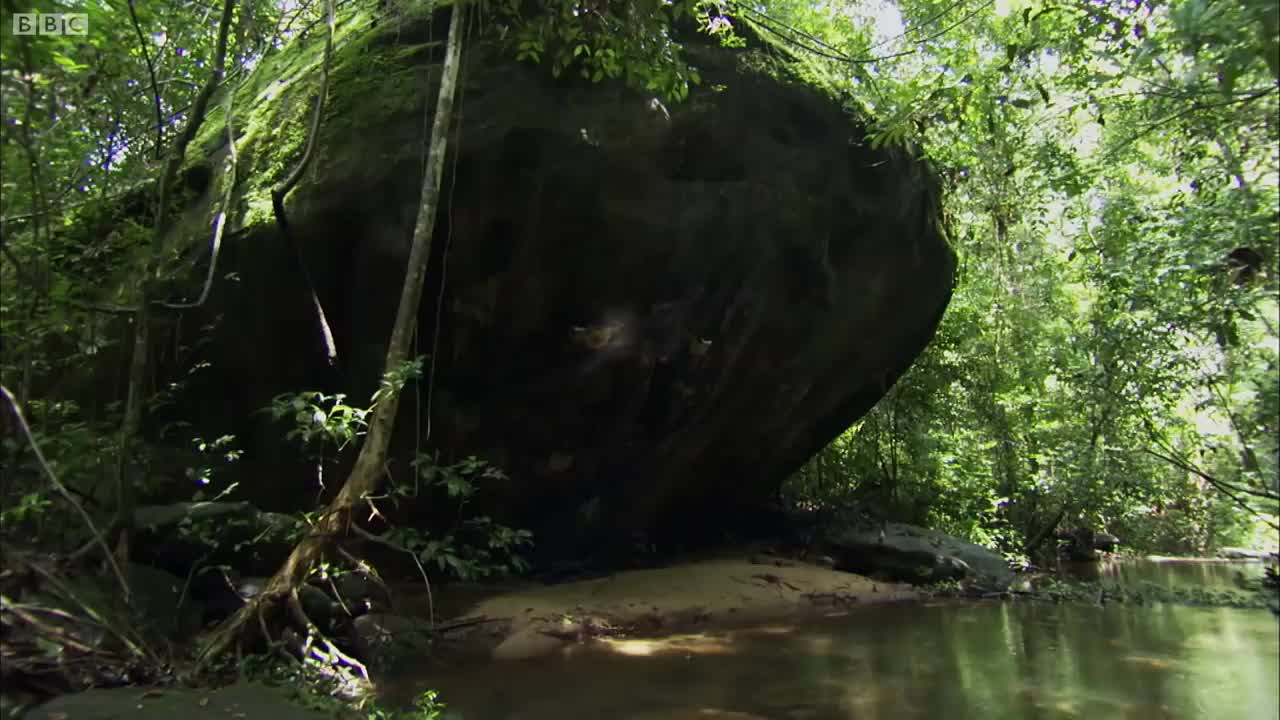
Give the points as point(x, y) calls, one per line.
point(1212, 575)
point(937, 661)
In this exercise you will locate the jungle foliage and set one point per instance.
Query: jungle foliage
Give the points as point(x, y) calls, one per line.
point(1110, 179)
point(1110, 354)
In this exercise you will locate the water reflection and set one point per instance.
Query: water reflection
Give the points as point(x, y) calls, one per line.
point(1170, 573)
point(991, 661)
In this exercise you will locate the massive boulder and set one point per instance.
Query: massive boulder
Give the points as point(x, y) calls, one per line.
point(648, 315)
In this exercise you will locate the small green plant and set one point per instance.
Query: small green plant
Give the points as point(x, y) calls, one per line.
point(319, 418)
point(426, 707)
point(323, 419)
point(220, 449)
point(316, 688)
point(476, 547)
point(28, 508)
point(396, 378)
point(326, 424)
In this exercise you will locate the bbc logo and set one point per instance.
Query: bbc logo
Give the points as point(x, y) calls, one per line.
point(50, 24)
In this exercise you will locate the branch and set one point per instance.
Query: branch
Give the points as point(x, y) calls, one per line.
point(431, 608)
point(1156, 124)
point(222, 216)
point(139, 362)
point(790, 29)
point(923, 23)
point(764, 21)
point(198, 109)
point(1217, 484)
point(279, 192)
point(1250, 460)
point(955, 24)
point(62, 490)
point(151, 70)
point(1041, 536)
point(260, 51)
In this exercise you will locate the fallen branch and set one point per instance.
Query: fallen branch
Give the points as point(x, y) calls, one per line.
point(66, 494)
point(136, 646)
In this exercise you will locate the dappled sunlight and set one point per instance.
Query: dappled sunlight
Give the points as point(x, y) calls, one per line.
point(1148, 663)
point(694, 644)
point(770, 630)
point(703, 713)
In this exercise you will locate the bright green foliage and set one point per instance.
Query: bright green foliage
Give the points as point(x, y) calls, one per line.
point(475, 546)
point(1103, 163)
point(320, 417)
point(426, 707)
point(1101, 357)
point(84, 128)
point(606, 40)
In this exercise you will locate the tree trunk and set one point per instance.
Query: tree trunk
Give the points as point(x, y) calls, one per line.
point(1045, 532)
point(367, 474)
point(140, 362)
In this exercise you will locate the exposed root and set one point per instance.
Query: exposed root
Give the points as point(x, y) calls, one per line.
point(301, 638)
point(315, 634)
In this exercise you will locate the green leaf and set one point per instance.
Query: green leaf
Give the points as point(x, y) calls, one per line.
point(67, 63)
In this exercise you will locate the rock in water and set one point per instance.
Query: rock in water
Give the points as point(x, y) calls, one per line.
point(913, 554)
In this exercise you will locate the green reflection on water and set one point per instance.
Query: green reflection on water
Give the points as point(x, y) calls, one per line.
point(954, 661)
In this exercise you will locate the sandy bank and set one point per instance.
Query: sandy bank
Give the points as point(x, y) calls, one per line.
point(539, 620)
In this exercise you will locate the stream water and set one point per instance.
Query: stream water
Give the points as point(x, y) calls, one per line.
point(950, 660)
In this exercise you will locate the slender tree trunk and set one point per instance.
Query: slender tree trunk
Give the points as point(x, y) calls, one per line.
point(140, 362)
point(367, 474)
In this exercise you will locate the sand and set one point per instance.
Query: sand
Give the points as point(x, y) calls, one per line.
point(539, 620)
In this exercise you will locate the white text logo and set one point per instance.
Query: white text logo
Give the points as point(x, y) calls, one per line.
point(50, 24)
